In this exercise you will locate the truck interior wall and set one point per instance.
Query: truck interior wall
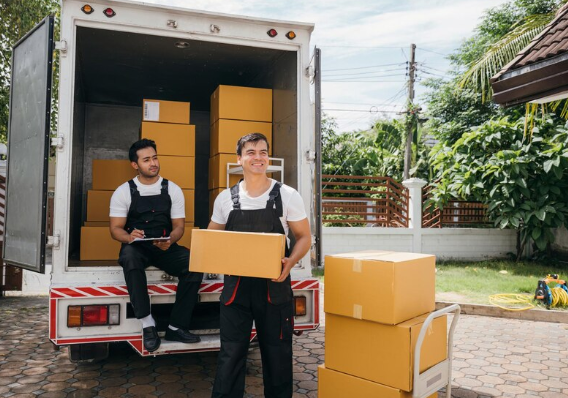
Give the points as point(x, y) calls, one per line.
point(281, 78)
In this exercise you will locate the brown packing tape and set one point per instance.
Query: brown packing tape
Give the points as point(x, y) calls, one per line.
point(357, 265)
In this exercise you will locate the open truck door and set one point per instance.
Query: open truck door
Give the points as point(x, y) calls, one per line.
point(28, 149)
point(317, 129)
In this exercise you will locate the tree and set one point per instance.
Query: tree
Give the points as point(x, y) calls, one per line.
point(504, 32)
point(18, 17)
point(521, 178)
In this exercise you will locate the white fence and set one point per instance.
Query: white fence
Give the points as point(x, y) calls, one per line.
point(448, 243)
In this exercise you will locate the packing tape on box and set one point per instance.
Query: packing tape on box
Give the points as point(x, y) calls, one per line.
point(357, 265)
point(357, 311)
point(430, 329)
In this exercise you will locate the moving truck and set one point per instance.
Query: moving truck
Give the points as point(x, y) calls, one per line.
point(112, 56)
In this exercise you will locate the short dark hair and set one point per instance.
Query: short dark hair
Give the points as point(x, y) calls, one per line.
point(252, 137)
point(140, 144)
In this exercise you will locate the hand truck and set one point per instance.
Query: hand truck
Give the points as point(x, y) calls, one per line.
point(439, 375)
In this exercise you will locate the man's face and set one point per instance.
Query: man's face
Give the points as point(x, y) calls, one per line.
point(254, 157)
point(147, 164)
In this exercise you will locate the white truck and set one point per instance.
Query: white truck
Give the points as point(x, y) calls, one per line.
point(112, 54)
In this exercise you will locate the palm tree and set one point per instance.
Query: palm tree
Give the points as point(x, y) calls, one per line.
point(499, 54)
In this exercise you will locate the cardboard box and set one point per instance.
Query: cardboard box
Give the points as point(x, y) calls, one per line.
point(98, 205)
point(179, 169)
point(241, 103)
point(237, 253)
point(97, 244)
point(186, 238)
point(109, 174)
point(171, 139)
point(379, 286)
point(225, 134)
point(212, 196)
point(333, 384)
point(218, 171)
point(96, 224)
point(165, 111)
point(382, 353)
point(189, 196)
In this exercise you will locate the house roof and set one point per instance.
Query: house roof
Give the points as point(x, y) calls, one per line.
point(525, 77)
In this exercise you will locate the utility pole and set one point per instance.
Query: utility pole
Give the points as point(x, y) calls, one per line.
point(409, 110)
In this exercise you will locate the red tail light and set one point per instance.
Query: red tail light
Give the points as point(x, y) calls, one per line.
point(95, 315)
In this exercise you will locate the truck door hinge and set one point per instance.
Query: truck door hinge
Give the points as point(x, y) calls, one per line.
point(58, 142)
point(311, 156)
point(310, 72)
point(61, 46)
point(53, 241)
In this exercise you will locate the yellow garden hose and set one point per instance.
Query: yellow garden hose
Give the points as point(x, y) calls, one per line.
point(512, 301)
point(559, 297)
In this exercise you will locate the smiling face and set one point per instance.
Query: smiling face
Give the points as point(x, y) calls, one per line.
point(254, 157)
point(147, 164)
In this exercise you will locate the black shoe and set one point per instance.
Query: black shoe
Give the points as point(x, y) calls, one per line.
point(185, 336)
point(151, 338)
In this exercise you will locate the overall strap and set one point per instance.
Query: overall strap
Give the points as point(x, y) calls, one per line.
point(164, 189)
point(133, 188)
point(235, 196)
point(274, 198)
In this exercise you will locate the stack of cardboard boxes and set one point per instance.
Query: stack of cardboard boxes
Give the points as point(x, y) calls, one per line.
point(375, 305)
point(167, 123)
point(235, 111)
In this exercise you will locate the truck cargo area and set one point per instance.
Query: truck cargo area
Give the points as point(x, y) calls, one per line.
point(115, 71)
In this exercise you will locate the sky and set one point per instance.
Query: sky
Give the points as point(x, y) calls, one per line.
point(365, 46)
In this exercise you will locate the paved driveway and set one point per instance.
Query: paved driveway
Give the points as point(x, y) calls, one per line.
point(494, 357)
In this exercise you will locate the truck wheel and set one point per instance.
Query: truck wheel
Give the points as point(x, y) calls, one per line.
point(88, 352)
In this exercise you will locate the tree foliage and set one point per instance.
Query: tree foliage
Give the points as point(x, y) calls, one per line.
point(18, 17)
point(521, 179)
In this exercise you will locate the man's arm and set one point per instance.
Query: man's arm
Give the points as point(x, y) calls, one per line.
point(118, 232)
point(214, 225)
point(301, 230)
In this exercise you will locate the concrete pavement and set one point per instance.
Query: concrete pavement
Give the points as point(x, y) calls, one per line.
point(493, 357)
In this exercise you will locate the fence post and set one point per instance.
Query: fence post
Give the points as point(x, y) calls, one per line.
point(414, 186)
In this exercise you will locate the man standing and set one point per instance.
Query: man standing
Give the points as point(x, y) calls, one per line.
point(149, 206)
point(258, 204)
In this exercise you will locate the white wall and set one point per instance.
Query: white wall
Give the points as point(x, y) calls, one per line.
point(449, 243)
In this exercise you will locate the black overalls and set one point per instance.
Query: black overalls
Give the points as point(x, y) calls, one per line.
point(153, 215)
point(268, 303)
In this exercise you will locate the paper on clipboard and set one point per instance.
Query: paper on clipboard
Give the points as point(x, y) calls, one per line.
point(160, 239)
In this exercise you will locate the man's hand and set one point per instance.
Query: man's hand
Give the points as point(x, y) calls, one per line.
point(287, 265)
point(136, 234)
point(163, 245)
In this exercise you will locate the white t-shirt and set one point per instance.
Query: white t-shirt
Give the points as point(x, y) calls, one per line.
point(292, 204)
point(121, 199)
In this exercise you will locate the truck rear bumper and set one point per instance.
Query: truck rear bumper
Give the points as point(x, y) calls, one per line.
point(129, 330)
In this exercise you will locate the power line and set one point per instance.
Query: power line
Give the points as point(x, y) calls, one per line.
point(431, 51)
point(365, 73)
point(353, 103)
point(363, 81)
point(368, 47)
point(423, 65)
point(364, 67)
point(346, 77)
point(359, 110)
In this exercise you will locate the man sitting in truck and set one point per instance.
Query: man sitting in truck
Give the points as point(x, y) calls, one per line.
point(145, 208)
point(258, 204)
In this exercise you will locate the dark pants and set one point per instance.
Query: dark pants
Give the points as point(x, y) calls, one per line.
point(274, 327)
point(136, 257)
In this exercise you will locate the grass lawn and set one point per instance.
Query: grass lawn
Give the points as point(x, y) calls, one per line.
point(474, 282)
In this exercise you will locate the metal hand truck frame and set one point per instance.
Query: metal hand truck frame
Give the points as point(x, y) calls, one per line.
point(439, 375)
